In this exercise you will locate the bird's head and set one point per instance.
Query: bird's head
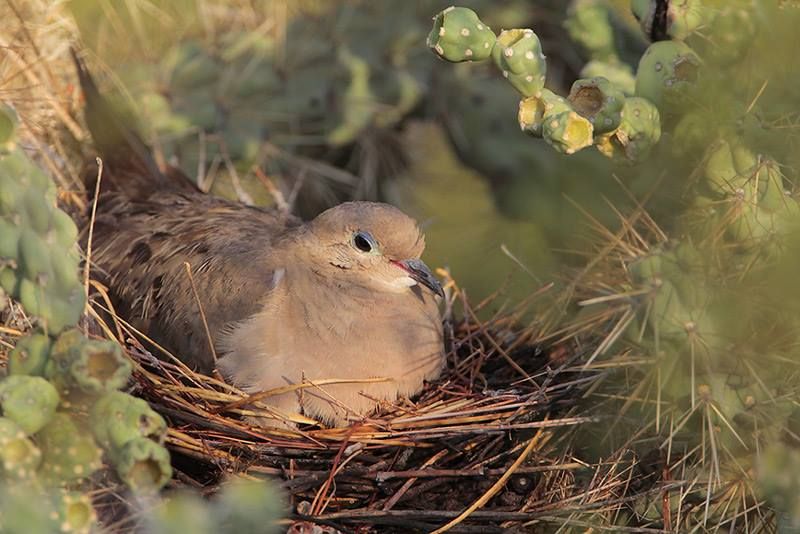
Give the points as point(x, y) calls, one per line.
point(372, 244)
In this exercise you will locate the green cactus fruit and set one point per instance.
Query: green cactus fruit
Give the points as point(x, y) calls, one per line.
point(358, 102)
point(8, 126)
point(92, 366)
point(70, 453)
point(588, 23)
point(143, 465)
point(181, 513)
point(637, 134)
point(25, 508)
point(534, 109)
point(74, 511)
point(250, 506)
point(29, 355)
point(19, 457)
point(669, 19)
point(518, 55)
point(29, 401)
point(598, 100)
point(619, 74)
point(666, 71)
point(459, 35)
point(567, 132)
point(9, 281)
point(117, 418)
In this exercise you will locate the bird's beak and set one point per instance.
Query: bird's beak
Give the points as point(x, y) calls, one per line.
point(420, 272)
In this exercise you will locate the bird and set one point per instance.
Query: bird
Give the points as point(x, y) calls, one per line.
point(342, 303)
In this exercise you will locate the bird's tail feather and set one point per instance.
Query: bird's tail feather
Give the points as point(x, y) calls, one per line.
point(128, 163)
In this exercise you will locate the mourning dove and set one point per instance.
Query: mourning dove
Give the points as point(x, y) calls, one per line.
point(344, 296)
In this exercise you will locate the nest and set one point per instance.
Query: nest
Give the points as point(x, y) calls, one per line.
point(478, 449)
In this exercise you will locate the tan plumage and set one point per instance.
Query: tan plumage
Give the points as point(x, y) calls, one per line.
point(334, 298)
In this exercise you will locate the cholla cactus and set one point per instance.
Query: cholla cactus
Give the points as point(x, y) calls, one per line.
point(637, 134)
point(669, 19)
point(19, 456)
point(619, 74)
point(666, 70)
point(459, 35)
point(588, 24)
point(70, 453)
point(567, 132)
point(38, 257)
point(29, 401)
point(598, 100)
point(534, 110)
point(30, 355)
point(518, 55)
point(142, 464)
point(118, 418)
point(89, 366)
point(248, 506)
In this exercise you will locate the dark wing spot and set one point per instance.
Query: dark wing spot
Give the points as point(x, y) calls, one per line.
point(140, 253)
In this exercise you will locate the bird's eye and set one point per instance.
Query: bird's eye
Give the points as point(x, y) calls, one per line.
point(363, 241)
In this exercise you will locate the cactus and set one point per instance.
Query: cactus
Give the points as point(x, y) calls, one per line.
point(69, 453)
point(588, 24)
point(249, 506)
point(669, 19)
point(143, 465)
point(619, 74)
point(90, 366)
point(459, 35)
point(534, 110)
point(598, 100)
point(40, 241)
point(19, 456)
point(518, 55)
point(180, 513)
point(117, 418)
point(567, 132)
point(29, 401)
point(74, 512)
point(666, 70)
point(637, 134)
point(30, 355)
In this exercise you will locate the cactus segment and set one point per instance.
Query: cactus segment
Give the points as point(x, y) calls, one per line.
point(70, 453)
point(19, 457)
point(599, 101)
point(619, 74)
point(567, 132)
point(459, 35)
point(117, 418)
point(588, 24)
point(143, 465)
point(534, 109)
point(249, 506)
point(30, 355)
point(638, 132)
point(29, 401)
point(518, 55)
point(75, 513)
point(91, 366)
point(666, 70)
